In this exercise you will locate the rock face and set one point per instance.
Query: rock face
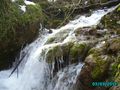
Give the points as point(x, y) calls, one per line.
point(102, 63)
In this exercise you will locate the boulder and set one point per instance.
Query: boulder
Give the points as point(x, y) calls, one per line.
point(17, 28)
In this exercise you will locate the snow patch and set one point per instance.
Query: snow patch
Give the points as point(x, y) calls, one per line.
point(23, 8)
point(13, 0)
point(29, 2)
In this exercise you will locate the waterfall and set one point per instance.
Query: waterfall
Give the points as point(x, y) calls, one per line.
point(34, 72)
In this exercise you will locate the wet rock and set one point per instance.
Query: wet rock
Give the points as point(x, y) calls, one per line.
point(85, 31)
point(50, 31)
point(112, 46)
point(101, 33)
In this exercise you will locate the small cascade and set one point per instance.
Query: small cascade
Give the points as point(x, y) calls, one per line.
point(66, 78)
point(34, 72)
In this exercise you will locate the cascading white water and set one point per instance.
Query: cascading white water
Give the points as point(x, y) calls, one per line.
point(34, 72)
point(65, 78)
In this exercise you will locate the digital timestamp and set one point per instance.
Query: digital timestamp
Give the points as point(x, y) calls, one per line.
point(106, 84)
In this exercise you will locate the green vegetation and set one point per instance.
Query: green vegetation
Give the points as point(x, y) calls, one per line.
point(11, 17)
point(77, 51)
point(17, 28)
point(55, 52)
point(118, 9)
point(101, 65)
point(111, 21)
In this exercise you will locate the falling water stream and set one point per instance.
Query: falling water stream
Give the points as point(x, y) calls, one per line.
point(34, 72)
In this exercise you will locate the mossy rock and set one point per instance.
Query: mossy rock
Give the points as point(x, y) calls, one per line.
point(96, 51)
point(20, 2)
point(112, 46)
point(78, 51)
point(58, 37)
point(113, 69)
point(53, 54)
point(71, 52)
point(66, 47)
point(16, 29)
point(104, 66)
point(50, 40)
point(58, 51)
point(99, 64)
point(114, 73)
point(117, 76)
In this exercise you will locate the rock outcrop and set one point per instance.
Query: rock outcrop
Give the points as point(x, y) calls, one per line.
point(102, 63)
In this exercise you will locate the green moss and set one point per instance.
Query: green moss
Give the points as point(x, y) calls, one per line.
point(96, 73)
point(16, 27)
point(53, 53)
point(117, 76)
point(77, 51)
point(118, 9)
point(58, 51)
point(58, 37)
point(96, 51)
point(14, 17)
point(114, 69)
point(7, 22)
point(101, 65)
point(50, 40)
point(20, 2)
point(34, 13)
point(66, 47)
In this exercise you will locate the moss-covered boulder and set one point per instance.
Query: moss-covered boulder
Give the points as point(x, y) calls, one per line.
point(73, 52)
point(79, 51)
point(95, 69)
point(16, 29)
point(53, 54)
point(101, 64)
